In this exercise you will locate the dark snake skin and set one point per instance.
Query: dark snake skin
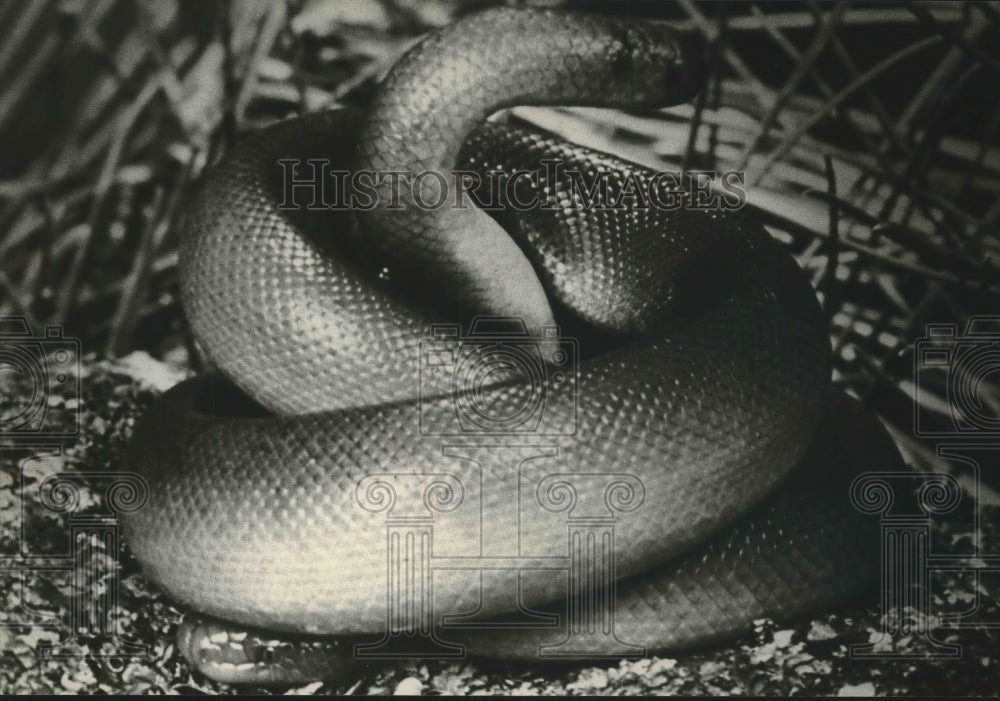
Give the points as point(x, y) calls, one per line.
point(703, 374)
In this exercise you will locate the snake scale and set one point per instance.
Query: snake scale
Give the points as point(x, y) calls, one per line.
point(703, 375)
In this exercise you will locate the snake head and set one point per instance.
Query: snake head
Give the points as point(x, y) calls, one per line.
point(658, 65)
point(230, 654)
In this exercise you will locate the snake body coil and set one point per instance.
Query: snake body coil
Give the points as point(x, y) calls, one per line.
point(710, 385)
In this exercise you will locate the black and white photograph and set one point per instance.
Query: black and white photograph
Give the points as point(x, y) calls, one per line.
point(500, 347)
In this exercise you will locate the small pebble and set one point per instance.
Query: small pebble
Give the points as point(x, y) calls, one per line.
point(590, 679)
point(411, 686)
point(663, 665)
point(783, 637)
point(821, 631)
point(866, 689)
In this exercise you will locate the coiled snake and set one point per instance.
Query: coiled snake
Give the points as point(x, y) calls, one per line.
point(702, 380)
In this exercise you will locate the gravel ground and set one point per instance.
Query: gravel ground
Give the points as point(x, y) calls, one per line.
point(809, 656)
